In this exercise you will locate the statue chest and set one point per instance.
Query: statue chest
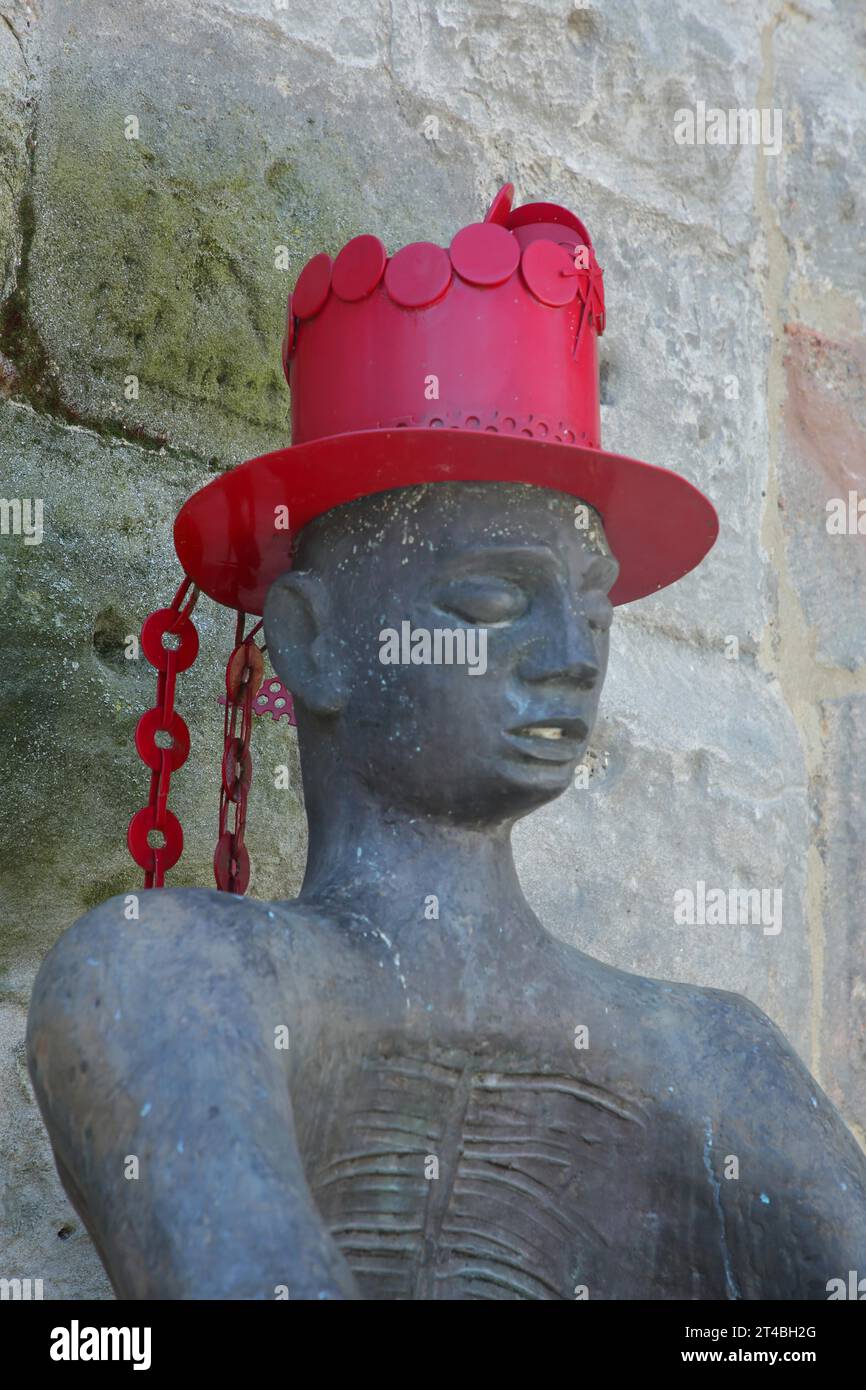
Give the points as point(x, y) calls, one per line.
point(452, 1179)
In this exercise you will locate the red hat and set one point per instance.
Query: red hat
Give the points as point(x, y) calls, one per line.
point(474, 364)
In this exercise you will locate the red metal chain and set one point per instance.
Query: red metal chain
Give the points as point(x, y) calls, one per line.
point(244, 674)
point(163, 759)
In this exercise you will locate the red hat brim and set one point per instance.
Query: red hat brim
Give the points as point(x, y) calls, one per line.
point(230, 543)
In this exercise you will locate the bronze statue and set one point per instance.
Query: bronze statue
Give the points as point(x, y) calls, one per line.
point(399, 1085)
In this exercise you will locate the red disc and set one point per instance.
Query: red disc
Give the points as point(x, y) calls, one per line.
point(314, 283)
point(531, 214)
point(359, 268)
point(148, 749)
point(136, 840)
point(237, 768)
point(160, 622)
point(484, 254)
point(549, 272)
point(418, 275)
point(242, 658)
point(500, 208)
point(222, 866)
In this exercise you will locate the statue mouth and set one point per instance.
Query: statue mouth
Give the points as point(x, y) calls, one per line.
point(551, 740)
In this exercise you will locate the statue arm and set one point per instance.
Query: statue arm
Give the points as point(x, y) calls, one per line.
point(796, 1213)
point(151, 1048)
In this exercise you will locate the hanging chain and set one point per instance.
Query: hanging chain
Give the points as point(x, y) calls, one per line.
point(244, 674)
point(162, 743)
point(163, 722)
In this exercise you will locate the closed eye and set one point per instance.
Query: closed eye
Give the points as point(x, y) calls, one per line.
point(482, 599)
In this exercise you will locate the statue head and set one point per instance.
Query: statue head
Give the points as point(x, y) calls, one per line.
point(446, 646)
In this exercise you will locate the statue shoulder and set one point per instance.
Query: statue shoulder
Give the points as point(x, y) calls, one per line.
point(735, 1061)
point(164, 910)
point(774, 1158)
point(753, 1052)
point(797, 1209)
point(750, 1057)
point(181, 928)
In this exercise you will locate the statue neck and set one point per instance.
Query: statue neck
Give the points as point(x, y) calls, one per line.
point(370, 864)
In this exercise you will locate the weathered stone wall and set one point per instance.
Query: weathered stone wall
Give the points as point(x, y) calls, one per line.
point(734, 354)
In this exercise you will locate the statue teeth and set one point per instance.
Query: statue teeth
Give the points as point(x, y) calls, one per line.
point(547, 731)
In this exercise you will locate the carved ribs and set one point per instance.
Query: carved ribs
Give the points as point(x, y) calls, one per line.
point(449, 1181)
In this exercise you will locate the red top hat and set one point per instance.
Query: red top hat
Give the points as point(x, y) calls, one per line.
point(478, 363)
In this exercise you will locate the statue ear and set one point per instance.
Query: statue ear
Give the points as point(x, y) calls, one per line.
point(299, 637)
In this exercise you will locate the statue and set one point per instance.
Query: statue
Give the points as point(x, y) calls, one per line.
point(399, 1085)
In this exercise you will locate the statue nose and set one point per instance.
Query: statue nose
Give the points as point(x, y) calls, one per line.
point(569, 656)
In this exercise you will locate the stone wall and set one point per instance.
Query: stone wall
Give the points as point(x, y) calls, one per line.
point(734, 719)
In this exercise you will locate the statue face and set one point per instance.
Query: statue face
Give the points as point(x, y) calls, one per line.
point(517, 592)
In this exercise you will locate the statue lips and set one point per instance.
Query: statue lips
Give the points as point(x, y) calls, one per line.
point(554, 739)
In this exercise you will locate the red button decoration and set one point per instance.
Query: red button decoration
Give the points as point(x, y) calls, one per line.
point(418, 275)
point(359, 268)
point(549, 272)
point(484, 254)
point(312, 289)
point(500, 209)
point(531, 214)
